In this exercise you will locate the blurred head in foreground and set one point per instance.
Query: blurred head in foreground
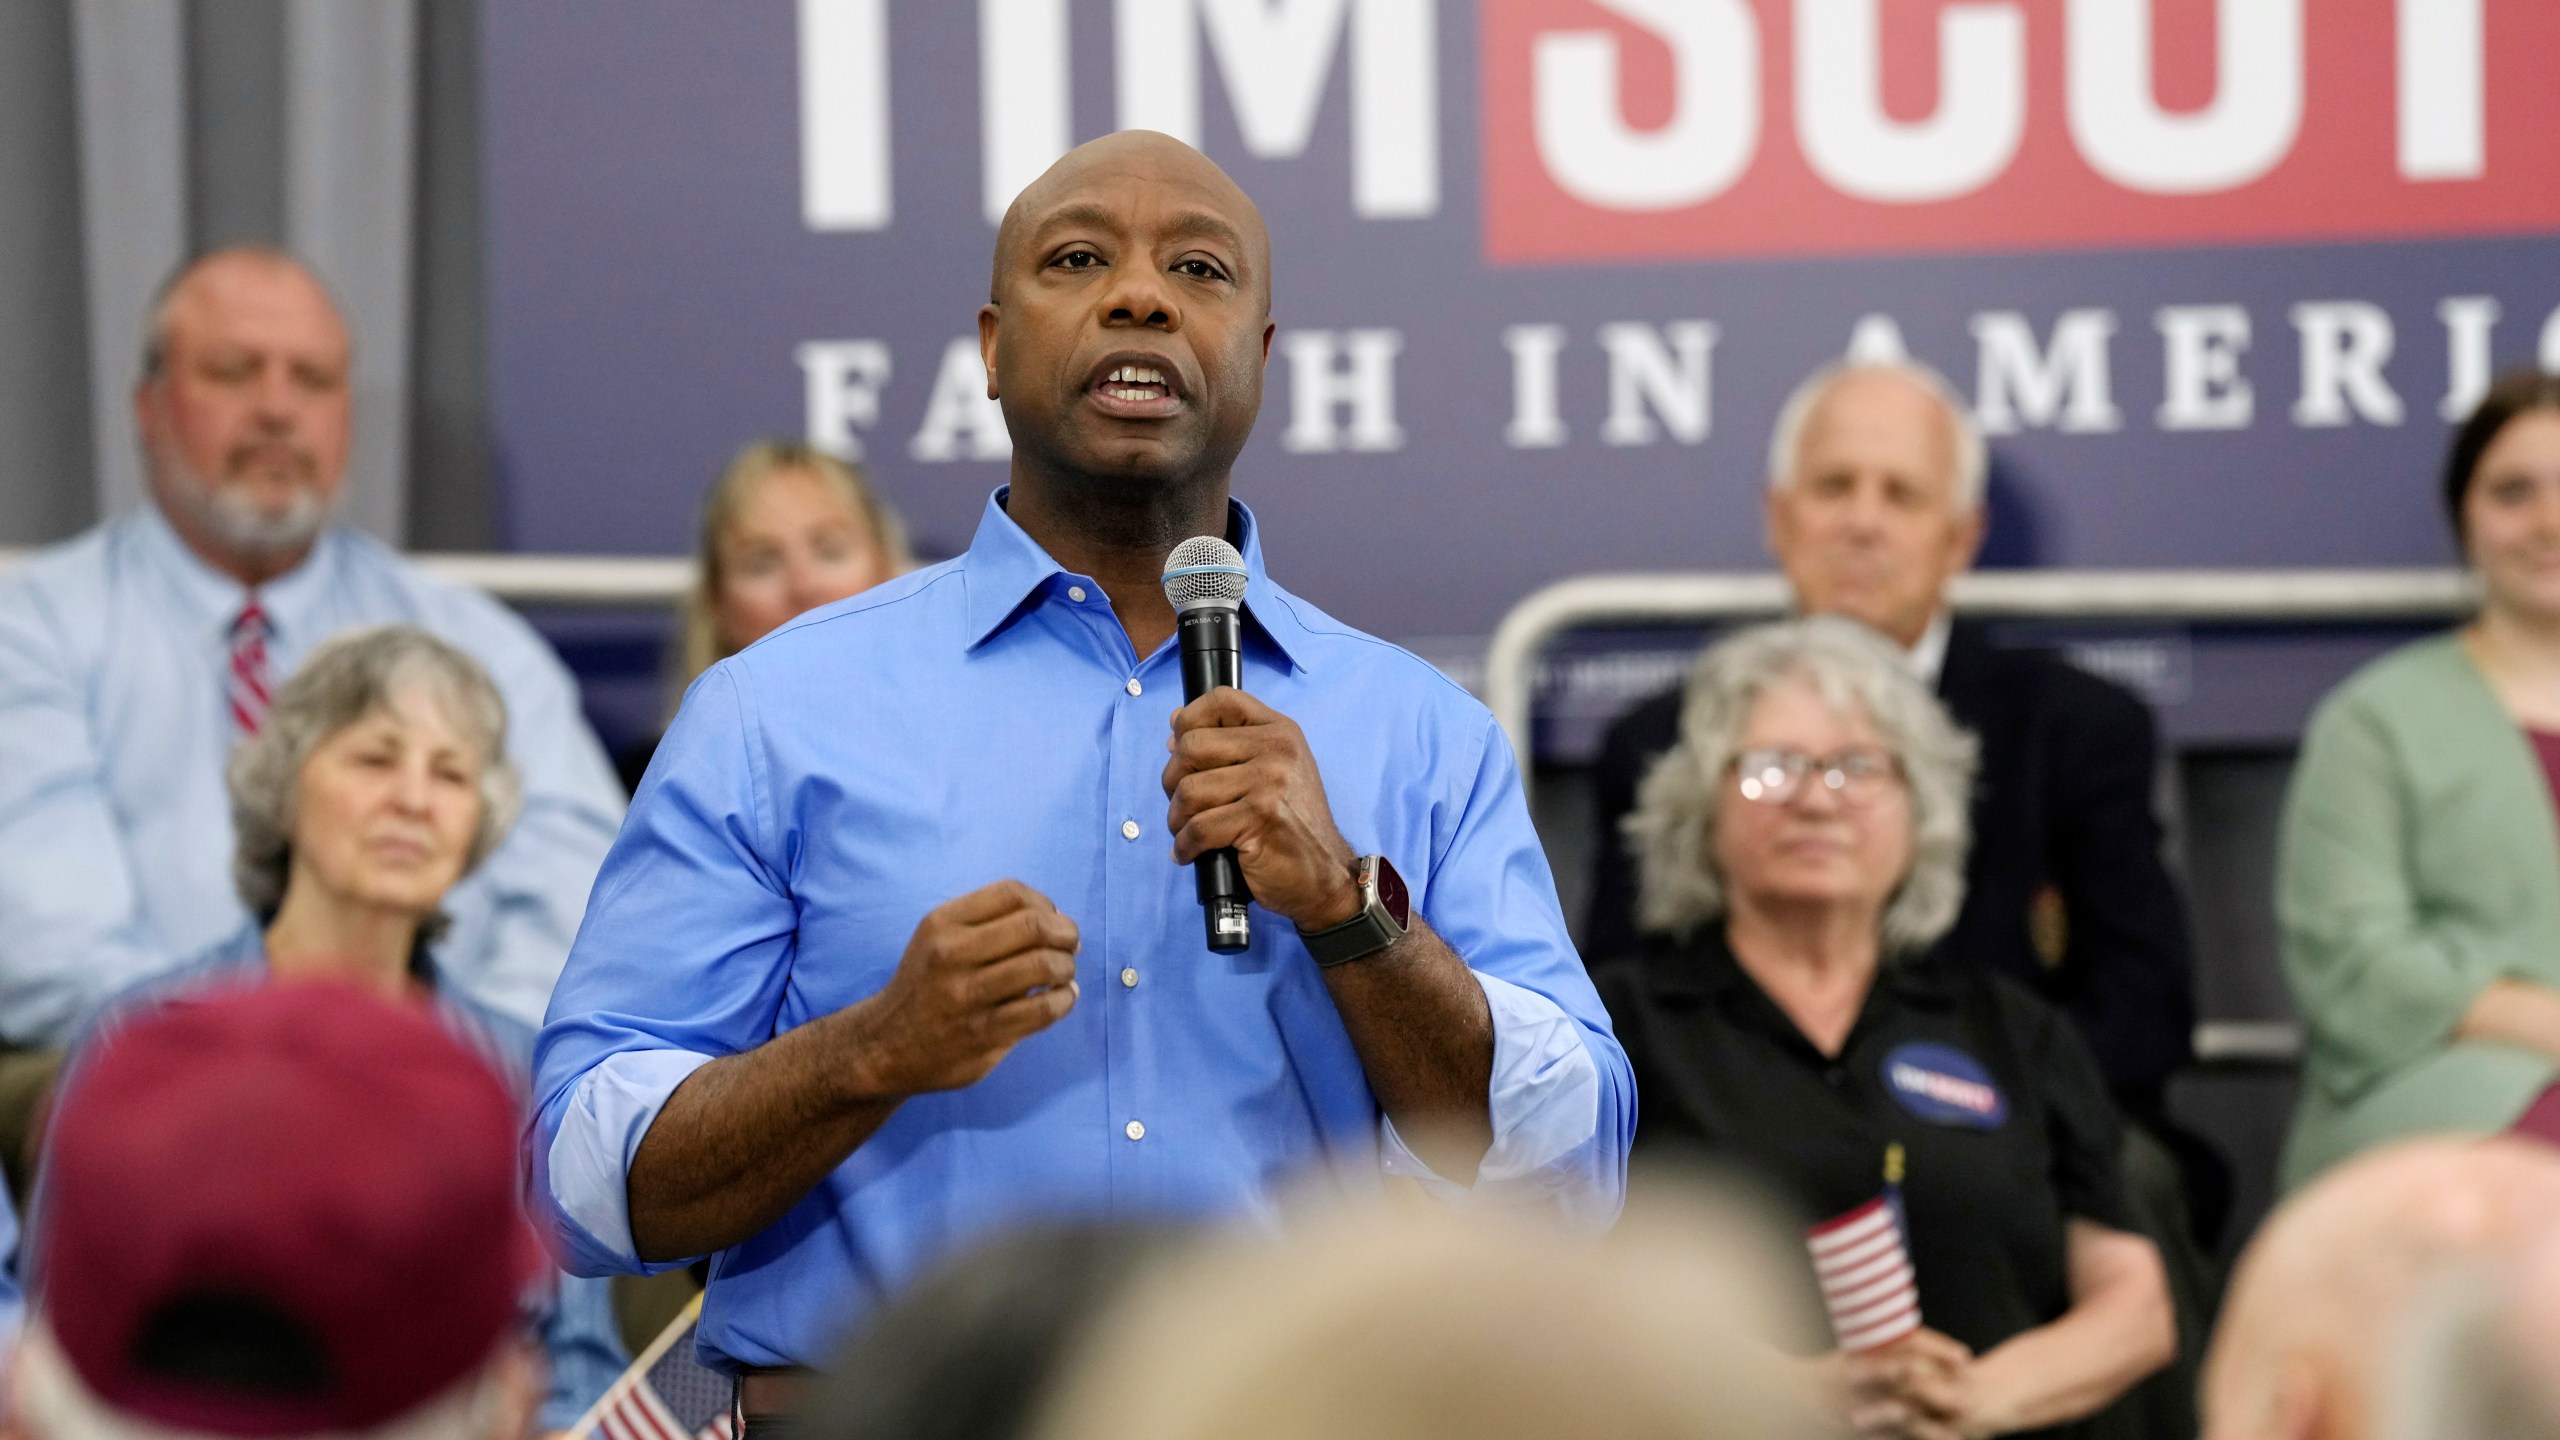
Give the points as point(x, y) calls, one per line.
point(288, 1210)
point(971, 1351)
point(2484, 1362)
point(785, 529)
point(2325, 1298)
point(1422, 1324)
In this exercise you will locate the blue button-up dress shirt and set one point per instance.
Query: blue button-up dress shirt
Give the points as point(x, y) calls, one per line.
point(115, 827)
point(988, 718)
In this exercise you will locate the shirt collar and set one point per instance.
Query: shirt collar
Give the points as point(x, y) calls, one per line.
point(1006, 571)
point(1929, 657)
point(1928, 654)
point(287, 600)
point(1702, 967)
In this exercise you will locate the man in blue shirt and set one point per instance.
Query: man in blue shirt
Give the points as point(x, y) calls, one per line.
point(132, 657)
point(893, 951)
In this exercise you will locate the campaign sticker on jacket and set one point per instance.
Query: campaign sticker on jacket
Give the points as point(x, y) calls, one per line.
point(1944, 1086)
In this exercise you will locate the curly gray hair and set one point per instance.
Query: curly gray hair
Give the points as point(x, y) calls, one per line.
point(1857, 673)
point(348, 677)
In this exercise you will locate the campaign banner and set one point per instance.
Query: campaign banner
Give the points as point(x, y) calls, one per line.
point(2213, 274)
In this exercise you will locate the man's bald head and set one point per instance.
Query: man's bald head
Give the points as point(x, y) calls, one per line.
point(2325, 1291)
point(1127, 334)
point(211, 279)
point(1186, 178)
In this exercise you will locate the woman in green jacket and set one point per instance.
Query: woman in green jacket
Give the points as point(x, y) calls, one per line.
point(2418, 881)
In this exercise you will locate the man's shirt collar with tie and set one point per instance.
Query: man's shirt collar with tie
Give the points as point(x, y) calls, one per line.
point(291, 604)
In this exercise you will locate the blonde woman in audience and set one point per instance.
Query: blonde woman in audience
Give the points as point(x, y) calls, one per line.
point(379, 779)
point(785, 529)
point(2418, 878)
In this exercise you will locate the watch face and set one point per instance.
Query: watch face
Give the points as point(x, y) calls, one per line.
point(1391, 893)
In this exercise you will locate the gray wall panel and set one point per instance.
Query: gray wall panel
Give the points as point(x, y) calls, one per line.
point(46, 489)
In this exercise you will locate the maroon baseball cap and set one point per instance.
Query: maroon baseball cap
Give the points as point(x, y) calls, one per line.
point(332, 1162)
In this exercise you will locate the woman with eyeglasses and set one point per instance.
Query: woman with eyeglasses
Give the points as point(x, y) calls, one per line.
point(1801, 851)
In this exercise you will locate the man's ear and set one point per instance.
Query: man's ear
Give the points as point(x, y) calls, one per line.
point(146, 404)
point(1775, 523)
point(988, 315)
point(1269, 327)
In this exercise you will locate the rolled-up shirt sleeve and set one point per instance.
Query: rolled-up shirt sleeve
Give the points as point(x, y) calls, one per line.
point(585, 1168)
point(1562, 1095)
point(1545, 1100)
point(683, 959)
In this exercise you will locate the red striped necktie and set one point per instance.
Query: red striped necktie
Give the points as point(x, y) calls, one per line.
point(252, 683)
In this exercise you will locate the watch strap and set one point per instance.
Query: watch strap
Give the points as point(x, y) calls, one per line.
point(1364, 934)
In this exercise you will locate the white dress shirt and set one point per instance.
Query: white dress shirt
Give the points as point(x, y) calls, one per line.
point(1929, 656)
point(115, 827)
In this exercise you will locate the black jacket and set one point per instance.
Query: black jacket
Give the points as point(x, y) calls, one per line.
point(2065, 842)
point(1991, 1178)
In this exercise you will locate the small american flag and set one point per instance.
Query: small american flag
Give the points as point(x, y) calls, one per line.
point(665, 1395)
point(1864, 1268)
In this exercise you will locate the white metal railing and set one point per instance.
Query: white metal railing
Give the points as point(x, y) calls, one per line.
point(1511, 662)
point(600, 580)
point(580, 580)
point(2249, 1042)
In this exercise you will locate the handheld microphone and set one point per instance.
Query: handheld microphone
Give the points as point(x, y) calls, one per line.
point(1205, 579)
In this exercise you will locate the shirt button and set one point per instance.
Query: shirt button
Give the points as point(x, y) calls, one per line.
point(1834, 1077)
point(1128, 829)
point(1134, 1130)
point(1135, 688)
point(1076, 593)
point(1129, 977)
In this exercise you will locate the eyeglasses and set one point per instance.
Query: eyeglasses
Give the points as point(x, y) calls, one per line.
point(1774, 776)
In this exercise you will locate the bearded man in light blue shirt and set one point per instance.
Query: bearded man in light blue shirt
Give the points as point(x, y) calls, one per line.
point(901, 945)
point(132, 657)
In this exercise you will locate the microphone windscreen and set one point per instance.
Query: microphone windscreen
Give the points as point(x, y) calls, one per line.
point(1204, 570)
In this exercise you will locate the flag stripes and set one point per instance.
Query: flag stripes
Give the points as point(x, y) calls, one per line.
point(666, 1394)
point(1863, 1266)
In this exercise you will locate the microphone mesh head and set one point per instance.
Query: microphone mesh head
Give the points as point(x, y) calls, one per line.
point(1204, 570)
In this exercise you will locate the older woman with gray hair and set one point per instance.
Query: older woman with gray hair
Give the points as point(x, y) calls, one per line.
point(378, 780)
point(1801, 851)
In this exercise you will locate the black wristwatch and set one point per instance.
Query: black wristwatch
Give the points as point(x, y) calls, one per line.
point(1386, 913)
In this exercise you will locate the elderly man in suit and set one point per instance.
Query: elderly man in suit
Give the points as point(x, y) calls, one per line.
point(1875, 503)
